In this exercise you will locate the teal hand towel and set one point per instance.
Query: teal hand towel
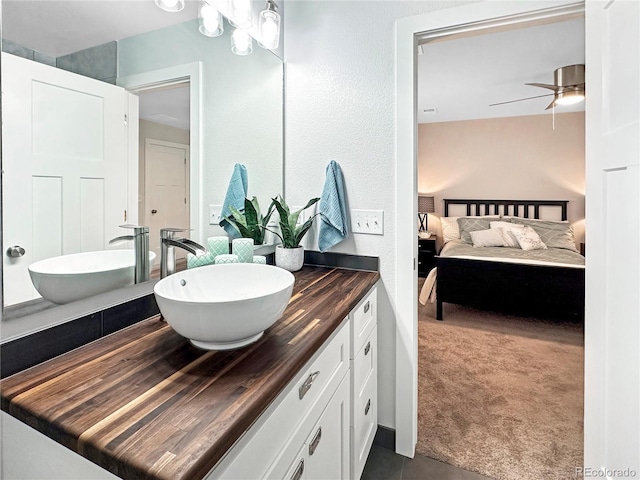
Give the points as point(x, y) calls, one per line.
point(334, 220)
point(236, 193)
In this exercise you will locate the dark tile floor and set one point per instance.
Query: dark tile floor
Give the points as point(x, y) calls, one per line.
point(384, 464)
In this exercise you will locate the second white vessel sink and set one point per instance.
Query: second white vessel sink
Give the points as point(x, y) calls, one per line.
point(221, 307)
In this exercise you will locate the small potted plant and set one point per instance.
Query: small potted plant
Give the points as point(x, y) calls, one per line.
point(251, 223)
point(290, 255)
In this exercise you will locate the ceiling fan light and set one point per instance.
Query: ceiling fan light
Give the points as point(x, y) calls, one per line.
point(569, 98)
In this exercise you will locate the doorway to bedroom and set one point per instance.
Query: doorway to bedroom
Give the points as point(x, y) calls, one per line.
point(501, 393)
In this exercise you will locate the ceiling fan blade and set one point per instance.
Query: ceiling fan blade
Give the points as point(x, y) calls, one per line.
point(522, 99)
point(551, 105)
point(555, 88)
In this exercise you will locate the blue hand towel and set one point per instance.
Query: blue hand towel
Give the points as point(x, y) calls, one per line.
point(236, 193)
point(334, 220)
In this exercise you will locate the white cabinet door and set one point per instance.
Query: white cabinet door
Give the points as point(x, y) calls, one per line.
point(328, 444)
point(612, 330)
point(65, 166)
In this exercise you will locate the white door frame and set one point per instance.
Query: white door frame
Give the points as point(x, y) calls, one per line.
point(472, 17)
point(191, 72)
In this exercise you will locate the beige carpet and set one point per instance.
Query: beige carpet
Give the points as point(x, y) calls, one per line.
point(500, 395)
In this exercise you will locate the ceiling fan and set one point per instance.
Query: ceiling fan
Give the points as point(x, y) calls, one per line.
point(568, 87)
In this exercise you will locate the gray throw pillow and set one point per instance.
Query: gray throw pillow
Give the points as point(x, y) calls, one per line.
point(553, 234)
point(472, 224)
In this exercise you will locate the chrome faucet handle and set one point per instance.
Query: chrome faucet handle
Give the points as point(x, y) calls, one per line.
point(138, 229)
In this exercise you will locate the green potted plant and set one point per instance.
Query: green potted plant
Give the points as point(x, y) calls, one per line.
point(290, 255)
point(251, 223)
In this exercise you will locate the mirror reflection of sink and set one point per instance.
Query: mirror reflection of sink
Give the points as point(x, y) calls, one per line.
point(221, 307)
point(68, 278)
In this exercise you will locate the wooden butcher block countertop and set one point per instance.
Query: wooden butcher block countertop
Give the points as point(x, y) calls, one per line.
point(144, 403)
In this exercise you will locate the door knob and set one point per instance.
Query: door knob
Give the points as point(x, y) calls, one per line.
point(154, 211)
point(15, 251)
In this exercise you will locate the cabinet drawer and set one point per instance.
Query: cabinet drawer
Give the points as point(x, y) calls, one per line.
point(324, 435)
point(365, 405)
point(364, 365)
point(253, 454)
point(363, 319)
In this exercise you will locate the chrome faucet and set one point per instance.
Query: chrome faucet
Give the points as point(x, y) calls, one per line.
point(168, 242)
point(140, 239)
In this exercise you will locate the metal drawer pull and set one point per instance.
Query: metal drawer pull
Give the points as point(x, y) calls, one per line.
point(366, 409)
point(367, 348)
point(297, 475)
point(304, 388)
point(315, 442)
point(366, 307)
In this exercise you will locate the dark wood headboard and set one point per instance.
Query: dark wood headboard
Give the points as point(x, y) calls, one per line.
point(506, 207)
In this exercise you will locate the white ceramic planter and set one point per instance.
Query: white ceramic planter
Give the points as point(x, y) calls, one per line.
point(289, 258)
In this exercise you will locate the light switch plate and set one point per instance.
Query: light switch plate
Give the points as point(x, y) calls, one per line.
point(214, 214)
point(367, 221)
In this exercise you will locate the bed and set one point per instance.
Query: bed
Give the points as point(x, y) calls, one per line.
point(536, 282)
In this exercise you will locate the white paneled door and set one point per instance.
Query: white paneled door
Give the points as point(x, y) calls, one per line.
point(65, 166)
point(167, 190)
point(612, 325)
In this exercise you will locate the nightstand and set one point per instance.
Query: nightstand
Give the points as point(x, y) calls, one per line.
point(426, 255)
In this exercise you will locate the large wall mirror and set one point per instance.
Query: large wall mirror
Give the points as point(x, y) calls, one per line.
point(116, 112)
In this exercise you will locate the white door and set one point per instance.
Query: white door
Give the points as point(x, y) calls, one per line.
point(612, 323)
point(166, 189)
point(65, 166)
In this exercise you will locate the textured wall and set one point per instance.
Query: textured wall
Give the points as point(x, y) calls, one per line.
point(340, 105)
point(516, 158)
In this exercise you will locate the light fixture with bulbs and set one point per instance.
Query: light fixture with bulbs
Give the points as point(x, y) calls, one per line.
point(240, 15)
point(269, 27)
point(170, 5)
point(210, 20)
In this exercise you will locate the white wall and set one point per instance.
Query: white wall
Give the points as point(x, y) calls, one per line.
point(511, 158)
point(340, 105)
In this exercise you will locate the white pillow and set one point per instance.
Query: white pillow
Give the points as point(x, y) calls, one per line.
point(529, 239)
point(450, 229)
point(508, 228)
point(488, 238)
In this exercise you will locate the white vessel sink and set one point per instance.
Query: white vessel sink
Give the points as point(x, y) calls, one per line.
point(72, 277)
point(221, 307)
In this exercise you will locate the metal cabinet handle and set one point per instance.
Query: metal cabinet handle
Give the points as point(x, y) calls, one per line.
point(304, 388)
point(367, 407)
point(154, 211)
point(367, 348)
point(297, 475)
point(366, 307)
point(315, 442)
point(15, 251)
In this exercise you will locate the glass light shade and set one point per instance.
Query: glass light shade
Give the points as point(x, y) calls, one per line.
point(170, 5)
point(269, 28)
point(241, 42)
point(210, 20)
point(570, 97)
point(241, 14)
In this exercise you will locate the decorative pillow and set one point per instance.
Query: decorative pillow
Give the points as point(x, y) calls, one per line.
point(508, 228)
point(553, 234)
point(488, 238)
point(450, 230)
point(471, 224)
point(528, 239)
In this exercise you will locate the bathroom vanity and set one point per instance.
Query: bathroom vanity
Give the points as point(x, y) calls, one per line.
point(299, 403)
